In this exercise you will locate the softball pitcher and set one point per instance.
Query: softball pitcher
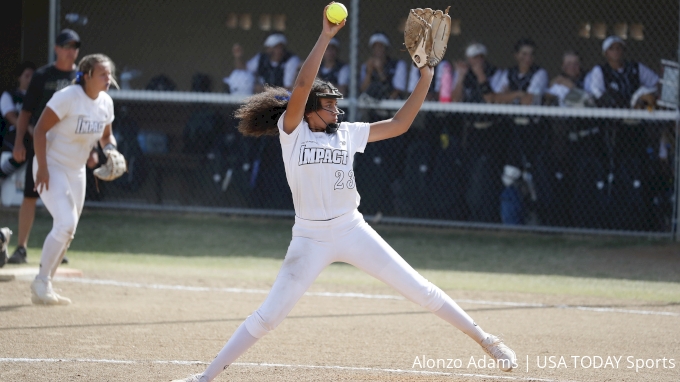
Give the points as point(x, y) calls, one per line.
point(318, 154)
point(75, 118)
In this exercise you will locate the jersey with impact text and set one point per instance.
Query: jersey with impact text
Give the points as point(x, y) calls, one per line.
point(81, 124)
point(319, 168)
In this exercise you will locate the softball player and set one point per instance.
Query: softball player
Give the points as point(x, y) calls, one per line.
point(318, 155)
point(75, 118)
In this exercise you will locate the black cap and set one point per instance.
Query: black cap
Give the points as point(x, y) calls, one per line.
point(66, 36)
point(332, 92)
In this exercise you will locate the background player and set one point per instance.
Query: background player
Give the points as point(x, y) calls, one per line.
point(10, 106)
point(318, 155)
point(74, 119)
point(44, 83)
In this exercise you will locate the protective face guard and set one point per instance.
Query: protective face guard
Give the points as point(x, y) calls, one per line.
point(333, 92)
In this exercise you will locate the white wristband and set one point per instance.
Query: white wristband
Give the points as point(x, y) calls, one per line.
point(109, 147)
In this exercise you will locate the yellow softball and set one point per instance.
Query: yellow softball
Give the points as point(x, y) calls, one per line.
point(336, 12)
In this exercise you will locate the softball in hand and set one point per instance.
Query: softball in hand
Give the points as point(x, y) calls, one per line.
point(336, 13)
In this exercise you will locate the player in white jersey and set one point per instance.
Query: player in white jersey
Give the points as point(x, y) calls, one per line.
point(318, 154)
point(75, 119)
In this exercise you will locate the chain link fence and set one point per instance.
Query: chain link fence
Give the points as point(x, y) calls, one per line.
point(545, 157)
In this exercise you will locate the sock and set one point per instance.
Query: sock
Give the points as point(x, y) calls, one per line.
point(239, 342)
point(51, 256)
point(61, 257)
point(456, 316)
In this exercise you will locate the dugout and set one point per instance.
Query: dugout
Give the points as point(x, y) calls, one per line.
point(179, 38)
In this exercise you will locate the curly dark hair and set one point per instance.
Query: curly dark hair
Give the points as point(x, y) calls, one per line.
point(260, 112)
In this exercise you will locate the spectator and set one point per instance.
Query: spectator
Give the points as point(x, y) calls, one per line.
point(332, 69)
point(10, 106)
point(476, 80)
point(574, 145)
point(526, 82)
point(11, 101)
point(616, 81)
point(45, 82)
point(572, 137)
point(276, 66)
point(240, 81)
point(568, 87)
point(620, 83)
point(381, 76)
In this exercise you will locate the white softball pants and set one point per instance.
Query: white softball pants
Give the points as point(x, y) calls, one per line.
point(314, 246)
point(64, 200)
point(348, 239)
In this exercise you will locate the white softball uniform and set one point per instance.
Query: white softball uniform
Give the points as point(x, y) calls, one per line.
point(81, 124)
point(329, 228)
point(319, 169)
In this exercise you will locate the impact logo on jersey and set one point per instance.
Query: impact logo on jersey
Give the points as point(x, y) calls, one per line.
point(314, 155)
point(86, 126)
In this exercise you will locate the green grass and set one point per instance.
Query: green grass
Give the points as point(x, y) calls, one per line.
point(249, 251)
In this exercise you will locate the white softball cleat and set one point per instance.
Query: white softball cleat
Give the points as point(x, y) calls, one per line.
point(496, 349)
point(43, 294)
point(193, 378)
point(62, 300)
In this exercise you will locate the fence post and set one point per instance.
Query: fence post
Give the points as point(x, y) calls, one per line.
point(676, 210)
point(353, 60)
point(51, 33)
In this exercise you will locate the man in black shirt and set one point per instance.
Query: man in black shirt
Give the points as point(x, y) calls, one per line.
point(45, 82)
